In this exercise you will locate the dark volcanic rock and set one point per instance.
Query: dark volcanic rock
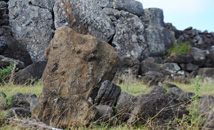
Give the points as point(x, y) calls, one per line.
point(198, 55)
point(149, 66)
point(15, 49)
point(30, 74)
point(207, 74)
point(5, 61)
point(108, 94)
point(23, 100)
point(104, 112)
point(178, 58)
point(191, 67)
point(3, 45)
point(125, 105)
point(206, 105)
point(18, 112)
point(153, 78)
point(156, 104)
point(128, 66)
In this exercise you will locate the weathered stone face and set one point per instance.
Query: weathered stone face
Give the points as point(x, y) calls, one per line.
point(77, 65)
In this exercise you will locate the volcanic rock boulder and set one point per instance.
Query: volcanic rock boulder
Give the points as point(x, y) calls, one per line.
point(108, 94)
point(125, 105)
point(88, 13)
point(15, 49)
point(129, 37)
point(157, 36)
point(129, 66)
point(30, 74)
point(206, 74)
point(77, 65)
point(23, 100)
point(32, 24)
point(158, 106)
point(132, 6)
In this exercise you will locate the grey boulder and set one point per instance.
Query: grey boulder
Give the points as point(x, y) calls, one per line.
point(125, 105)
point(31, 25)
point(129, 37)
point(108, 94)
point(30, 74)
point(88, 13)
point(131, 6)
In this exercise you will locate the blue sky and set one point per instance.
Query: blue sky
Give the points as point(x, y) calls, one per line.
point(185, 13)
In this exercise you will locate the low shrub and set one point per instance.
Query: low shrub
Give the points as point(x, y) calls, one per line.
point(5, 72)
point(179, 48)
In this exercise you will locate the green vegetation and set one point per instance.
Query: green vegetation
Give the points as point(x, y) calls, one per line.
point(5, 72)
point(179, 48)
point(191, 122)
point(10, 89)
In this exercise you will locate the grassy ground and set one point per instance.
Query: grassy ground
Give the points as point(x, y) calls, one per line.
point(134, 88)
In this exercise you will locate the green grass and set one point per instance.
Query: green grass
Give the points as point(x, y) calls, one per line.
point(206, 88)
point(135, 88)
point(10, 89)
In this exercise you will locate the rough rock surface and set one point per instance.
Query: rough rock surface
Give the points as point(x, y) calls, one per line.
point(15, 49)
point(104, 112)
point(46, 4)
point(97, 22)
point(3, 13)
point(4, 61)
point(178, 58)
point(31, 25)
point(177, 93)
point(153, 78)
point(198, 55)
point(207, 74)
point(149, 66)
point(3, 45)
point(30, 74)
point(131, 6)
point(128, 66)
point(157, 36)
point(23, 100)
point(125, 105)
point(129, 37)
point(156, 102)
point(108, 94)
point(172, 68)
point(67, 85)
point(206, 105)
point(18, 112)
point(105, 3)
